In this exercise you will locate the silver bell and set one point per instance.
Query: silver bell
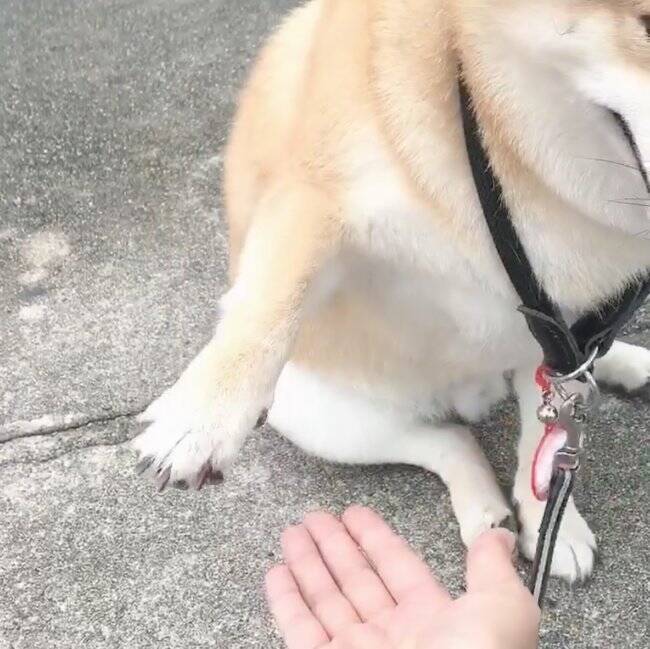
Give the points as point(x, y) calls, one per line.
point(547, 413)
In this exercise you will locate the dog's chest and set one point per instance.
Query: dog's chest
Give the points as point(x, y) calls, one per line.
point(424, 284)
point(447, 319)
point(386, 220)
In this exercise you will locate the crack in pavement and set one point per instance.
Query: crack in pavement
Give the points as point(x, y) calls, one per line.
point(68, 451)
point(50, 424)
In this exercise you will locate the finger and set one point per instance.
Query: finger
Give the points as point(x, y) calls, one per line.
point(350, 569)
point(490, 561)
point(401, 570)
point(318, 588)
point(298, 625)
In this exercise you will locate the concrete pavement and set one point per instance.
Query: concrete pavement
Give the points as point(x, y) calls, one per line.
point(112, 257)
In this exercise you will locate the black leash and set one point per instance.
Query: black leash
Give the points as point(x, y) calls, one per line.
point(569, 352)
point(558, 497)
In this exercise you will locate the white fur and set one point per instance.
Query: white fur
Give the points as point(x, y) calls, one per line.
point(342, 424)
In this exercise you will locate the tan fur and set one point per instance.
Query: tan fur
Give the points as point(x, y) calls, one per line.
point(336, 65)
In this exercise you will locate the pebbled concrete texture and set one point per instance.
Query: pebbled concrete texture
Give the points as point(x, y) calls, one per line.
point(112, 256)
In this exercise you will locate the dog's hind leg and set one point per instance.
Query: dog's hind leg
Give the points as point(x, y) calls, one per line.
point(199, 423)
point(341, 424)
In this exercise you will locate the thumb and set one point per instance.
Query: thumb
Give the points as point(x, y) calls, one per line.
point(490, 560)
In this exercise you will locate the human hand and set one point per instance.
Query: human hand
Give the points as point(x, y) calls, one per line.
point(355, 584)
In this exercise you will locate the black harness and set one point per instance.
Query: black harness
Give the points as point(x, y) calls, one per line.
point(565, 348)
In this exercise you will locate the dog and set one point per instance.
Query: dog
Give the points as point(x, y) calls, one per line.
point(368, 309)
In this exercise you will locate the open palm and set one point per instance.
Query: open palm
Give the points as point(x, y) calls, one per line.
point(354, 584)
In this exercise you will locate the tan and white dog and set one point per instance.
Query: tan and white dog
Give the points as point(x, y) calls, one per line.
point(368, 304)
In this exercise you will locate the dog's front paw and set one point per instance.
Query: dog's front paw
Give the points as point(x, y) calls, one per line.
point(575, 548)
point(185, 444)
point(625, 366)
point(195, 430)
point(483, 516)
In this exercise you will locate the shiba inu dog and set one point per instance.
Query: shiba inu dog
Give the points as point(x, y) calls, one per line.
point(367, 303)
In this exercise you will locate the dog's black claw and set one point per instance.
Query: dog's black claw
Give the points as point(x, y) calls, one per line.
point(143, 464)
point(215, 477)
point(208, 475)
point(181, 485)
point(262, 418)
point(203, 476)
point(162, 479)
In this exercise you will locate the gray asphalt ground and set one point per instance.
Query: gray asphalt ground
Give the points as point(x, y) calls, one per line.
point(113, 115)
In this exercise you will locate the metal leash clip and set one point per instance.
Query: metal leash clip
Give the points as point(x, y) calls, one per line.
point(571, 419)
point(584, 374)
point(563, 437)
point(562, 442)
point(573, 411)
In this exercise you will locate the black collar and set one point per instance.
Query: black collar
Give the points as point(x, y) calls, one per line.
point(565, 348)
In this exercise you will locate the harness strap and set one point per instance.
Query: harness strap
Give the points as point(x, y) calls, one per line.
point(627, 131)
point(564, 347)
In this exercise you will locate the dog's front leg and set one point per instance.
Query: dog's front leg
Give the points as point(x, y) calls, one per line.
point(199, 424)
